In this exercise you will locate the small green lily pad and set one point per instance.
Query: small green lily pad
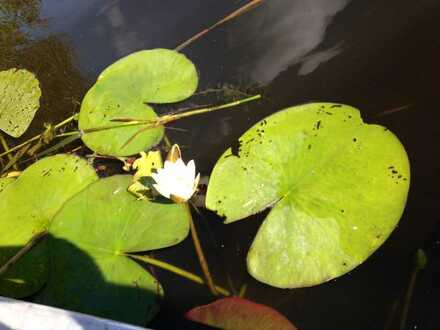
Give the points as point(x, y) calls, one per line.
point(27, 207)
point(337, 188)
point(91, 237)
point(19, 100)
point(122, 91)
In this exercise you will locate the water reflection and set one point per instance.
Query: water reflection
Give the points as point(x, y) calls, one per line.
point(50, 58)
point(289, 33)
point(16, 16)
point(64, 14)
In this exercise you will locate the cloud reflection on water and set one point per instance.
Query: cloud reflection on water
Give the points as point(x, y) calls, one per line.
point(289, 33)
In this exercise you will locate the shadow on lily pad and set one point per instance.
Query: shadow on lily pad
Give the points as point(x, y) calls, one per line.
point(76, 283)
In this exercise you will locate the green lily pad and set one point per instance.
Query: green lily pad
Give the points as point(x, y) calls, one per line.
point(19, 100)
point(4, 182)
point(122, 91)
point(27, 207)
point(91, 237)
point(337, 188)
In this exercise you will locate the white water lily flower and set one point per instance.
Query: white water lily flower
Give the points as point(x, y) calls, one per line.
point(176, 180)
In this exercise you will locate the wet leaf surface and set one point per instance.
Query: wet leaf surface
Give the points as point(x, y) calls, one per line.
point(28, 206)
point(235, 313)
point(337, 188)
point(123, 91)
point(90, 238)
point(19, 100)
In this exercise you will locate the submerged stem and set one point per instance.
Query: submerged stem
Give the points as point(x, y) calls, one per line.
point(420, 261)
point(176, 270)
point(25, 249)
point(200, 254)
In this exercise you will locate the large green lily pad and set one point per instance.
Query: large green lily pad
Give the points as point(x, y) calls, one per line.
point(337, 188)
point(27, 207)
point(122, 91)
point(91, 236)
point(19, 100)
point(4, 182)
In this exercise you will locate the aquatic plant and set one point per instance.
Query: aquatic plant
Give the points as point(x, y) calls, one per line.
point(124, 89)
point(236, 313)
point(335, 186)
point(19, 100)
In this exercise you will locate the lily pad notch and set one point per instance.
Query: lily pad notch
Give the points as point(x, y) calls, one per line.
point(126, 89)
point(337, 187)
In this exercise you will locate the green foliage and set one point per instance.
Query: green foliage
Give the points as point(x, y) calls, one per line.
point(19, 100)
point(122, 91)
point(4, 182)
point(91, 237)
point(28, 206)
point(337, 188)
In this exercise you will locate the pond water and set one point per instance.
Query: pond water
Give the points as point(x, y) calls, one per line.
point(379, 56)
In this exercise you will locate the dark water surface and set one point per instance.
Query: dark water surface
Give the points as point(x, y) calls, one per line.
point(374, 55)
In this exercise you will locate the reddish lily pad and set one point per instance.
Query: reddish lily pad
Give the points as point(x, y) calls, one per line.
point(241, 314)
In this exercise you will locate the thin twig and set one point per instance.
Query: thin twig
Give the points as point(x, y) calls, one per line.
point(25, 249)
point(252, 4)
point(176, 270)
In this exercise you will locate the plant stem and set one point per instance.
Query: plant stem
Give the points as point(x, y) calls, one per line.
point(165, 119)
point(16, 157)
point(6, 148)
point(176, 270)
point(25, 249)
point(69, 139)
point(408, 296)
point(36, 137)
point(169, 118)
point(420, 261)
point(391, 315)
point(243, 290)
point(200, 254)
point(76, 133)
point(238, 12)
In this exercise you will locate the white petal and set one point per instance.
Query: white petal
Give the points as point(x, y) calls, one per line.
point(191, 169)
point(183, 192)
point(180, 167)
point(162, 190)
point(156, 176)
point(159, 177)
point(167, 165)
